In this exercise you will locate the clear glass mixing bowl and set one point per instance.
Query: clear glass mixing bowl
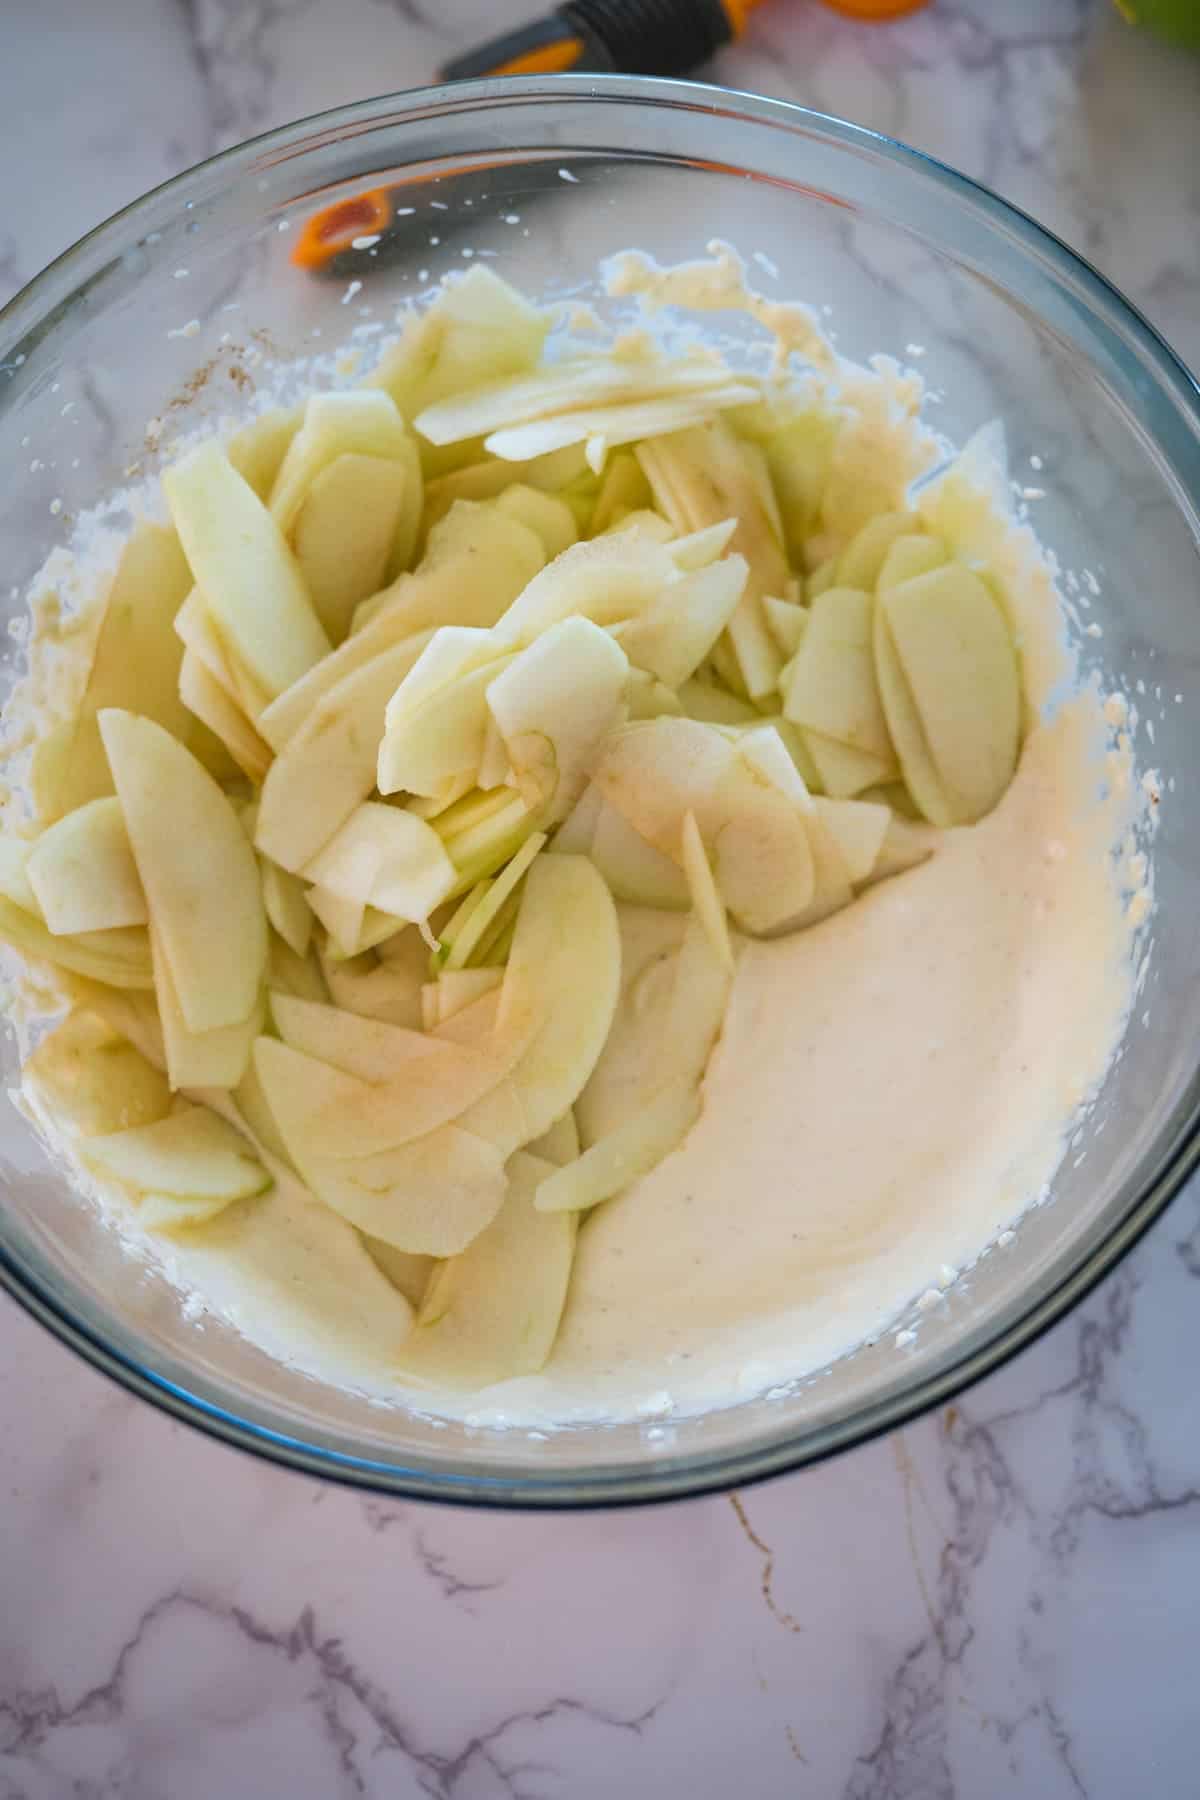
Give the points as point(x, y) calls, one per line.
point(167, 316)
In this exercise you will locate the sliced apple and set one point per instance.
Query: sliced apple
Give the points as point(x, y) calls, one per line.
point(554, 704)
point(571, 996)
point(289, 973)
point(244, 569)
point(674, 634)
point(368, 1049)
point(832, 686)
point(129, 1012)
point(216, 1058)
point(286, 907)
point(197, 630)
point(623, 489)
point(478, 329)
point(560, 1144)
point(859, 829)
point(859, 564)
point(377, 990)
point(456, 988)
point(493, 1312)
point(798, 457)
point(634, 870)
point(626, 1154)
point(843, 771)
point(430, 1196)
point(385, 858)
point(197, 869)
point(910, 555)
point(950, 677)
point(432, 739)
point(550, 518)
point(346, 530)
point(713, 705)
point(477, 559)
point(83, 874)
point(787, 621)
point(409, 1275)
point(605, 579)
point(192, 1152)
point(257, 450)
point(648, 698)
point(135, 664)
point(204, 696)
point(473, 934)
point(362, 422)
point(709, 907)
point(94, 1080)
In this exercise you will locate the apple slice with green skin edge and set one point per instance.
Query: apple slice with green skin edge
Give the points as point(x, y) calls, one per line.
point(832, 686)
point(244, 569)
point(858, 565)
point(493, 1312)
point(83, 874)
point(368, 1049)
point(327, 767)
point(191, 1152)
point(346, 530)
point(954, 655)
point(441, 736)
point(672, 637)
point(554, 704)
point(354, 421)
point(204, 696)
point(474, 929)
point(135, 663)
point(93, 1080)
point(635, 870)
point(631, 1151)
point(385, 858)
point(197, 868)
point(908, 556)
point(859, 829)
point(706, 900)
point(428, 1197)
point(409, 1275)
point(572, 997)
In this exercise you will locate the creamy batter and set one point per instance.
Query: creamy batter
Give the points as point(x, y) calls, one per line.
point(891, 1090)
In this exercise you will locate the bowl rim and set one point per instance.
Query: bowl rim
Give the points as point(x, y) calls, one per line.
point(664, 1477)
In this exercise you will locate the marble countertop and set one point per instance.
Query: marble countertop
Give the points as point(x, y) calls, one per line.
point(1000, 1600)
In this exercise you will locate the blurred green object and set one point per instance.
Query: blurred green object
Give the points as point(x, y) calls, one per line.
point(1176, 20)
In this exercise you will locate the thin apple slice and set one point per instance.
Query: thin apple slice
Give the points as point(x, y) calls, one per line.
point(550, 518)
point(171, 1213)
point(368, 1049)
point(377, 989)
point(859, 564)
point(286, 907)
point(574, 836)
point(440, 737)
point(192, 1152)
point(257, 450)
point(477, 559)
point(560, 1144)
point(623, 489)
point(478, 329)
point(908, 556)
point(631, 1151)
point(197, 868)
point(843, 771)
point(570, 995)
point(787, 622)
point(674, 634)
point(655, 771)
point(798, 458)
point(635, 870)
point(470, 938)
point(363, 422)
point(859, 829)
point(409, 1275)
point(904, 846)
point(428, 1197)
point(385, 858)
point(204, 696)
point(323, 1112)
point(119, 957)
point(327, 766)
point(244, 569)
point(705, 897)
point(91, 1078)
point(955, 657)
point(712, 705)
point(198, 633)
point(131, 1013)
point(288, 973)
point(555, 703)
point(493, 1312)
point(648, 698)
point(200, 1059)
point(346, 531)
point(832, 686)
point(135, 663)
point(456, 988)
point(605, 579)
point(83, 874)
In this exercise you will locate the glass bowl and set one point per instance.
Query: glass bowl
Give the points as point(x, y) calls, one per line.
point(165, 318)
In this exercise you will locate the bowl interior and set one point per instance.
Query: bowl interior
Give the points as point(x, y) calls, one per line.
point(178, 313)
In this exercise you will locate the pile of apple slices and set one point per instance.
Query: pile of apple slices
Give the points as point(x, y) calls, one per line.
point(423, 683)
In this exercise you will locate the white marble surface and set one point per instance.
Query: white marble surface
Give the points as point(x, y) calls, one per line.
point(998, 1601)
